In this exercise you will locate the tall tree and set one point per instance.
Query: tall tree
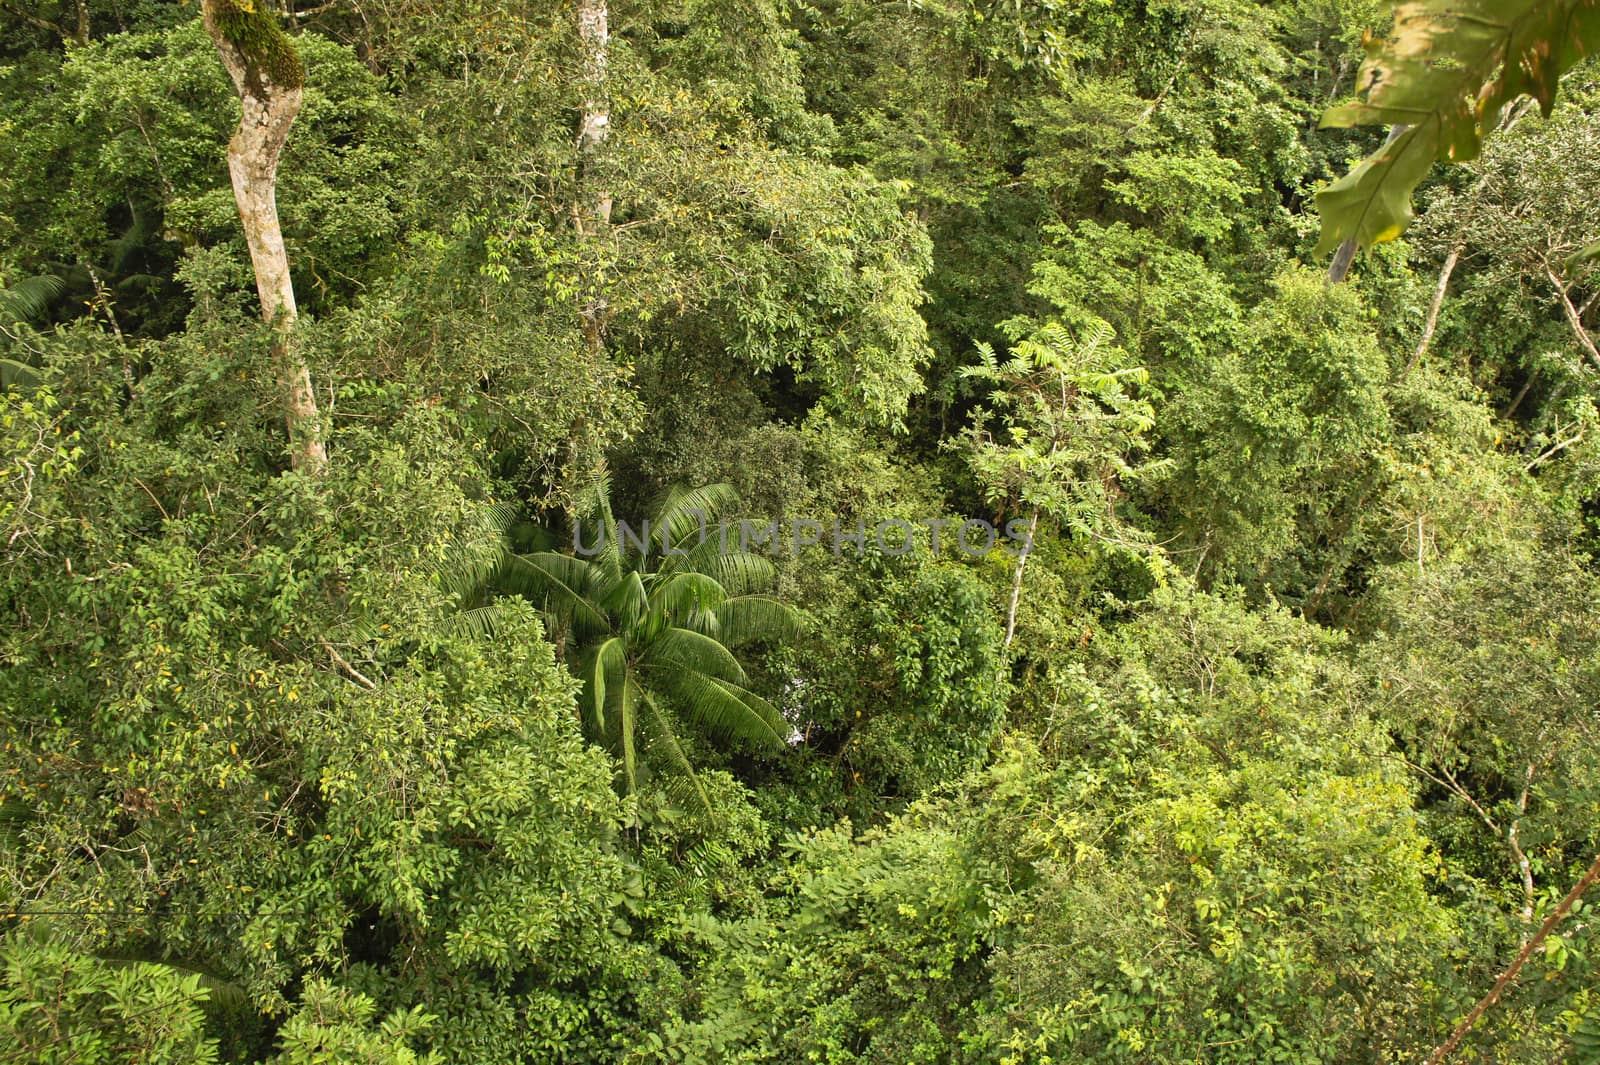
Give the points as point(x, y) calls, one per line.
point(592, 210)
point(269, 79)
point(1072, 419)
point(594, 38)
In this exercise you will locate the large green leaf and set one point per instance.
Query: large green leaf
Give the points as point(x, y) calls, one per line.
point(1446, 72)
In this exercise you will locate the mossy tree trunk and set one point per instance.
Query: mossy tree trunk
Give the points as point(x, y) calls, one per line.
point(268, 77)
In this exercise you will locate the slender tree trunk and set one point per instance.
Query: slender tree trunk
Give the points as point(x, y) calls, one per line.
point(593, 213)
point(1558, 914)
point(266, 74)
point(1016, 581)
point(1432, 321)
point(594, 37)
point(592, 210)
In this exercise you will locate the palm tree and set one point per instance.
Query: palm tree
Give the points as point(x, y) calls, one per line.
point(28, 300)
point(650, 625)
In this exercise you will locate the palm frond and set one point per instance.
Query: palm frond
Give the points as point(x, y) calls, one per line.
point(592, 509)
point(19, 375)
point(558, 584)
point(746, 619)
point(467, 567)
point(628, 705)
point(723, 558)
point(690, 651)
point(600, 669)
point(687, 511)
point(29, 299)
point(475, 622)
point(220, 991)
point(725, 708)
point(679, 595)
point(666, 737)
point(626, 600)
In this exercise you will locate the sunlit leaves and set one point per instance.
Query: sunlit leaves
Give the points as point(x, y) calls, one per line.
point(1446, 73)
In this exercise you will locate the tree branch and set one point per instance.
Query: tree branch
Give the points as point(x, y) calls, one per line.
point(1573, 319)
point(1485, 1004)
point(1433, 311)
point(36, 22)
point(355, 674)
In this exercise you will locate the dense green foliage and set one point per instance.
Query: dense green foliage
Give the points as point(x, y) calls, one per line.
point(1068, 628)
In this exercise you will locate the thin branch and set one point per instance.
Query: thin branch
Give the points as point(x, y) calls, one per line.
point(1433, 311)
point(1449, 1046)
point(1455, 786)
point(36, 22)
point(1016, 583)
point(1573, 319)
point(1524, 866)
point(1554, 449)
point(153, 498)
point(1588, 304)
point(1527, 386)
point(355, 674)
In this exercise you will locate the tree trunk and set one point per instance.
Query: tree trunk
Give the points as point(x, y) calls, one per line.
point(1432, 322)
point(594, 37)
point(591, 213)
point(266, 74)
point(1016, 581)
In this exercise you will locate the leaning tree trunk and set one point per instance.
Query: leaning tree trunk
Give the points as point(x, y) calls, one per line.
point(267, 76)
point(1432, 321)
point(1016, 580)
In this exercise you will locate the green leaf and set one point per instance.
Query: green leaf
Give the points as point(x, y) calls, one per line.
point(1446, 71)
point(1372, 203)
